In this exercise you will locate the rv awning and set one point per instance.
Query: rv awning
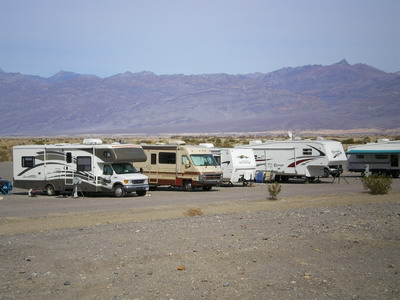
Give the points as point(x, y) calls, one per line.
point(373, 151)
point(121, 153)
point(129, 153)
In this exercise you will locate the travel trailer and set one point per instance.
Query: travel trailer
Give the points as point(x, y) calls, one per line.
point(180, 165)
point(296, 158)
point(91, 166)
point(238, 165)
point(377, 158)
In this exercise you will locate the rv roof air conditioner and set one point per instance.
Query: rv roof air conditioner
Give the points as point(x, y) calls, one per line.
point(255, 142)
point(208, 145)
point(92, 142)
point(383, 140)
point(177, 142)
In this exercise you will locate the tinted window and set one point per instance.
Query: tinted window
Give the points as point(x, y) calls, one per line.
point(167, 158)
point(28, 161)
point(84, 163)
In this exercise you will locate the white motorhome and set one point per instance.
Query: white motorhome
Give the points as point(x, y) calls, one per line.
point(238, 165)
point(94, 166)
point(379, 158)
point(180, 165)
point(298, 158)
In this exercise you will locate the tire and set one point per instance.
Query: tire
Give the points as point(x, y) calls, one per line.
point(207, 188)
point(187, 185)
point(245, 182)
point(326, 173)
point(119, 191)
point(141, 193)
point(50, 191)
point(310, 179)
point(284, 179)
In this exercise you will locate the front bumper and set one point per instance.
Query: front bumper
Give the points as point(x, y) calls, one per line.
point(209, 179)
point(137, 187)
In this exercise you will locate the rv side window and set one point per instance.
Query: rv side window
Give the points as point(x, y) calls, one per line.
point(107, 154)
point(184, 160)
point(69, 157)
point(153, 159)
point(84, 163)
point(107, 170)
point(360, 156)
point(28, 161)
point(307, 151)
point(167, 158)
point(381, 156)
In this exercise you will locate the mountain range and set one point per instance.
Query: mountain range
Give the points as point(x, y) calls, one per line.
point(338, 96)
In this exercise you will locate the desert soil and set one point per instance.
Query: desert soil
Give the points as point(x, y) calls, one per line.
point(317, 241)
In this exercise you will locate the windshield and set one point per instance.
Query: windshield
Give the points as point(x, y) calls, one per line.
point(124, 168)
point(203, 160)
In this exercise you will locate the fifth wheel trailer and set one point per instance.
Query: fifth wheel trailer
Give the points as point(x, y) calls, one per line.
point(298, 158)
point(378, 158)
point(95, 166)
point(238, 165)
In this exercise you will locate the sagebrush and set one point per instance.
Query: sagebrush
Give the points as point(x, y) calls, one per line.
point(274, 190)
point(377, 184)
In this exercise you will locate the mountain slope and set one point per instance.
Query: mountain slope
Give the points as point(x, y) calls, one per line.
point(340, 96)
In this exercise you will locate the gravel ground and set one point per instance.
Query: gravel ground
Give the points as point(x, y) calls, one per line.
point(317, 246)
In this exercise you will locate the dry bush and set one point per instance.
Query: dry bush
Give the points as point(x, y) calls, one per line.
point(377, 184)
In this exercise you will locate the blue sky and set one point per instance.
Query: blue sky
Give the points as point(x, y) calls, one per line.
point(42, 37)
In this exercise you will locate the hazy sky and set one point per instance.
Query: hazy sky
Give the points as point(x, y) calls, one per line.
point(42, 37)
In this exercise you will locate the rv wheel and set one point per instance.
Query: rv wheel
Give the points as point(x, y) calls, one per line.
point(119, 191)
point(187, 185)
point(50, 190)
point(141, 193)
point(207, 188)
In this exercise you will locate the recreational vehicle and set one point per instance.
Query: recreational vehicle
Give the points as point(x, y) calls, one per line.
point(297, 158)
point(94, 166)
point(378, 158)
point(238, 165)
point(180, 165)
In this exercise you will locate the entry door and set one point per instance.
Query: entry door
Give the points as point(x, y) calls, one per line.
point(394, 160)
point(69, 169)
point(153, 170)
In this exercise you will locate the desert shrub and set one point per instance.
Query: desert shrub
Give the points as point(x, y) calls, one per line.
point(377, 184)
point(273, 190)
point(348, 141)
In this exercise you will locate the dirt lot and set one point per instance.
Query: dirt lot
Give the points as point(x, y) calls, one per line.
point(317, 241)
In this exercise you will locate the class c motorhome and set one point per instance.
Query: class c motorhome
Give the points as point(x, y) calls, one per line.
point(296, 158)
point(95, 166)
point(238, 165)
point(377, 158)
point(180, 165)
